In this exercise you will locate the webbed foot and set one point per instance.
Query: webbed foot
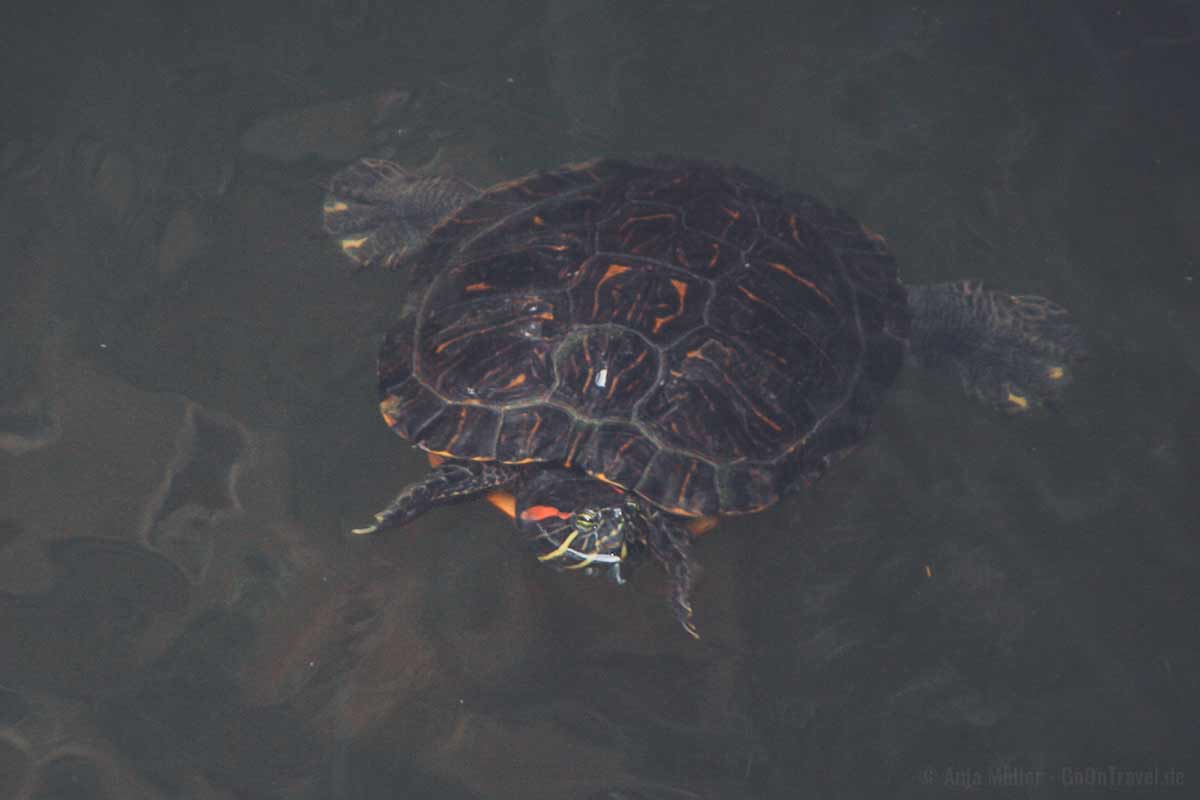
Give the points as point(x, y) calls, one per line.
point(1015, 352)
point(380, 212)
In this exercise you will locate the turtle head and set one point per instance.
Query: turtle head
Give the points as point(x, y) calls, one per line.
point(578, 523)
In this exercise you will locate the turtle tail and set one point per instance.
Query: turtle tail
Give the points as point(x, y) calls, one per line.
point(380, 213)
point(1015, 352)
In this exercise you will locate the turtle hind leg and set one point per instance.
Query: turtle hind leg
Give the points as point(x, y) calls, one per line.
point(452, 482)
point(379, 212)
point(1015, 352)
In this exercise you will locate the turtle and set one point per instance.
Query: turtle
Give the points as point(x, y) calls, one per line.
point(620, 352)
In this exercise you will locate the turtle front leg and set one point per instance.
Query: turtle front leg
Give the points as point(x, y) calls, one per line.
point(670, 544)
point(451, 482)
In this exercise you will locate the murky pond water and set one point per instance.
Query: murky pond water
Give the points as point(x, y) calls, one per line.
point(188, 423)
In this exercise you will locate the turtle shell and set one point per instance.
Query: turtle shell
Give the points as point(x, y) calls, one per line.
point(682, 330)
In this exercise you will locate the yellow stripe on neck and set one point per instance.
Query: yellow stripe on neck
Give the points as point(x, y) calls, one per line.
point(562, 548)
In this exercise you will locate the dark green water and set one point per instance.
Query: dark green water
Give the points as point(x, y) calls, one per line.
point(970, 605)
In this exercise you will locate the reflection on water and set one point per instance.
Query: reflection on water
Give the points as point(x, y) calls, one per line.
point(187, 426)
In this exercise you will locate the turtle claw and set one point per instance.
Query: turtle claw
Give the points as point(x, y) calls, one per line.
point(683, 613)
point(690, 628)
point(374, 527)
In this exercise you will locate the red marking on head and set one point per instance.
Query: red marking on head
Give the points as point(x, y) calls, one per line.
point(539, 513)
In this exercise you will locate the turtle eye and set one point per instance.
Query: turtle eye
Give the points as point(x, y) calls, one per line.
point(586, 519)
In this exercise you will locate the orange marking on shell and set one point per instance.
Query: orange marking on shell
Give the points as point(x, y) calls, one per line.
point(587, 357)
point(772, 423)
point(751, 295)
point(684, 512)
point(435, 460)
point(600, 476)
point(579, 166)
point(441, 347)
point(458, 431)
point(687, 479)
point(873, 236)
point(701, 525)
point(795, 226)
point(681, 290)
point(612, 385)
point(537, 423)
point(538, 219)
point(633, 221)
point(800, 279)
point(480, 287)
point(505, 185)
point(571, 453)
point(515, 322)
point(505, 501)
point(613, 271)
point(803, 441)
point(539, 513)
point(515, 382)
point(443, 455)
point(646, 218)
